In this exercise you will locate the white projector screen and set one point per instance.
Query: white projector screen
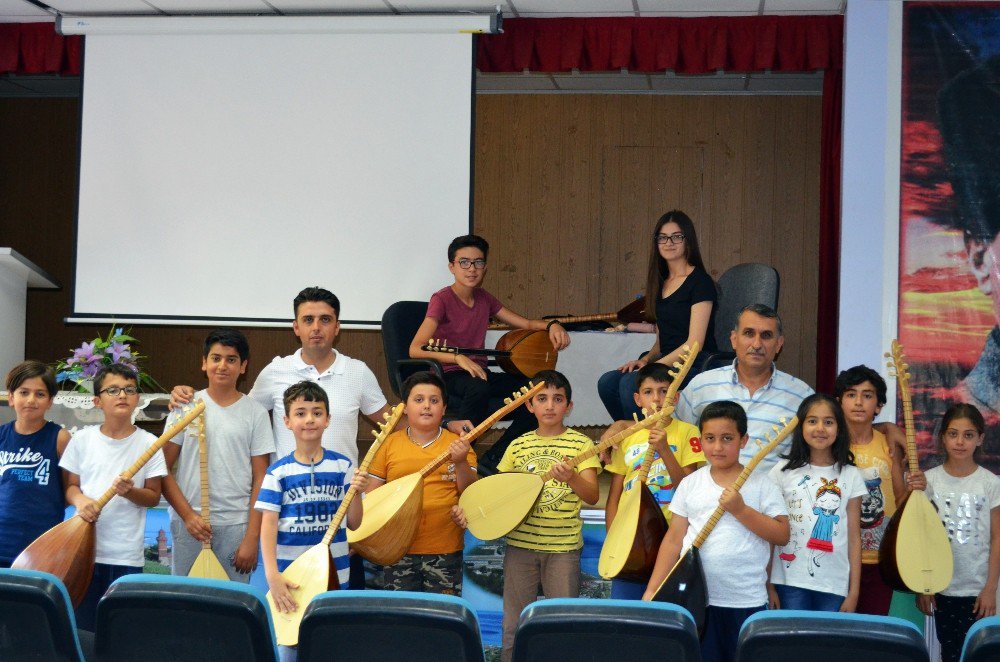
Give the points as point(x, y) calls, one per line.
point(220, 173)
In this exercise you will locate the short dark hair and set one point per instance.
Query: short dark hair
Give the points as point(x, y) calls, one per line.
point(468, 241)
point(119, 369)
point(30, 369)
point(764, 311)
point(228, 338)
point(860, 374)
point(554, 379)
point(308, 391)
point(424, 377)
point(657, 372)
point(957, 411)
point(725, 409)
point(316, 294)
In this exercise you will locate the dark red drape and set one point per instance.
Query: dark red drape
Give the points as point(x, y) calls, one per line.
point(697, 46)
point(36, 48)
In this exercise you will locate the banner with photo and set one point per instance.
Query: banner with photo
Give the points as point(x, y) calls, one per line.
point(949, 278)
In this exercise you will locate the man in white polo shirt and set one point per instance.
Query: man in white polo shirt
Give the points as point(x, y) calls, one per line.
point(766, 393)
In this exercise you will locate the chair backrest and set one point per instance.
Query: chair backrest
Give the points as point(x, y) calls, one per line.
point(982, 643)
point(580, 628)
point(813, 635)
point(389, 625)
point(739, 287)
point(36, 618)
point(160, 617)
point(400, 322)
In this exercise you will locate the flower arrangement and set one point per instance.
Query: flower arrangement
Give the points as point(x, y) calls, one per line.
point(90, 357)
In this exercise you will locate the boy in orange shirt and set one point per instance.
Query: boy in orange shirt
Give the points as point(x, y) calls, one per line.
point(433, 563)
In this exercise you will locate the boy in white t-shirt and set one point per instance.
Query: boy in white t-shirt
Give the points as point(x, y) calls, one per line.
point(93, 461)
point(239, 441)
point(736, 555)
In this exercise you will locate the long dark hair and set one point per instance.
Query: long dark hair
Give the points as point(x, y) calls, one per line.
point(799, 454)
point(955, 412)
point(657, 272)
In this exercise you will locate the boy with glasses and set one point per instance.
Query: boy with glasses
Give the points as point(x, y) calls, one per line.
point(460, 315)
point(94, 459)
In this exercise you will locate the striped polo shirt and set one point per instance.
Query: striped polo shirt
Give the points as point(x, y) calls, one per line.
point(554, 525)
point(778, 398)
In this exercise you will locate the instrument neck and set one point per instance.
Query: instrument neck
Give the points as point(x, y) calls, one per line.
point(647, 463)
point(911, 436)
point(203, 467)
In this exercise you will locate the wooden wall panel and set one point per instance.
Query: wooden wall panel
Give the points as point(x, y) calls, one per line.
point(746, 169)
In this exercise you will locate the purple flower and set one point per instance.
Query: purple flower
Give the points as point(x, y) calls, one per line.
point(119, 351)
point(90, 370)
point(84, 354)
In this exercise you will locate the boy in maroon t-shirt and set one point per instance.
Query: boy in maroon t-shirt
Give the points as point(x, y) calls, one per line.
point(460, 314)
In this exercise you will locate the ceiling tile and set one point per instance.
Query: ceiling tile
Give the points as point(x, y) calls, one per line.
point(101, 7)
point(19, 11)
point(803, 6)
point(548, 8)
point(698, 7)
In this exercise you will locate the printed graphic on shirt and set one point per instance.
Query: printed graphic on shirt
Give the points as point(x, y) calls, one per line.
point(539, 461)
point(873, 520)
point(825, 509)
point(658, 481)
point(25, 465)
point(960, 512)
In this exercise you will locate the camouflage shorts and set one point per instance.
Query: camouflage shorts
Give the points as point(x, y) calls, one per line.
point(426, 573)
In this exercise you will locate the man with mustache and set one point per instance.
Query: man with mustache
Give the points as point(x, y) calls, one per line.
point(766, 393)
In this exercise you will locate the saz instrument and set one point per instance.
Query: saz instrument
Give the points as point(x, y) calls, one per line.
point(915, 554)
point(634, 537)
point(393, 511)
point(67, 549)
point(685, 583)
point(522, 352)
point(206, 564)
point(496, 505)
point(313, 571)
point(633, 312)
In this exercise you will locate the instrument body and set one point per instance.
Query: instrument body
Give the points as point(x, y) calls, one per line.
point(393, 511)
point(685, 584)
point(520, 352)
point(915, 554)
point(633, 539)
point(67, 550)
point(313, 571)
point(206, 564)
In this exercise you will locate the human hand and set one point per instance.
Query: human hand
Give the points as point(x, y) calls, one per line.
point(199, 529)
point(359, 482)
point(773, 602)
point(562, 472)
point(658, 441)
point(180, 396)
point(279, 586)
point(926, 604)
point(470, 366)
point(632, 366)
point(986, 603)
point(87, 508)
point(122, 485)
point(458, 451)
point(731, 501)
point(915, 480)
point(458, 517)
point(850, 604)
point(558, 336)
point(460, 427)
point(245, 558)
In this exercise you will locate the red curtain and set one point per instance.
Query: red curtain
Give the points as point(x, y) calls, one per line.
point(641, 45)
point(36, 48)
point(698, 46)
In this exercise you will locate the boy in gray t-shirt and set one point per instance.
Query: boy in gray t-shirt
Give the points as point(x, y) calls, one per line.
point(240, 442)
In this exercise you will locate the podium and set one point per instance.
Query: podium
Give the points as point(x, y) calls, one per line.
point(17, 274)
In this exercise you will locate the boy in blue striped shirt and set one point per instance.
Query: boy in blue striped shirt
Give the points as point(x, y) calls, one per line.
point(301, 493)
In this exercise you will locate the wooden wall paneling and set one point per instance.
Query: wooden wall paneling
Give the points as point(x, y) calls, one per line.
point(809, 284)
point(578, 233)
point(607, 259)
point(759, 172)
point(725, 212)
point(545, 236)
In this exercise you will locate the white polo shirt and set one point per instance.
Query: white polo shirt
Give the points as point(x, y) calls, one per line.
point(350, 385)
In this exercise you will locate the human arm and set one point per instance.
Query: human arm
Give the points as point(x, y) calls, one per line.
point(146, 496)
point(614, 496)
point(612, 430)
point(199, 529)
point(772, 529)
point(850, 603)
point(62, 440)
point(86, 507)
point(651, 355)
point(460, 454)
point(424, 334)
point(180, 396)
point(666, 558)
point(355, 511)
point(986, 602)
point(701, 313)
point(659, 443)
point(584, 482)
point(276, 582)
point(773, 601)
point(557, 333)
point(245, 558)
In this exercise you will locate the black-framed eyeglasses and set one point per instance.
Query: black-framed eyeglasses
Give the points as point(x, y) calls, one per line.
point(675, 238)
point(115, 391)
point(466, 263)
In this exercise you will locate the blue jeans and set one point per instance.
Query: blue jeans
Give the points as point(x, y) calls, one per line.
point(722, 632)
point(104, 575)
point(616, 390)
point(622, 589)
point(794, 597)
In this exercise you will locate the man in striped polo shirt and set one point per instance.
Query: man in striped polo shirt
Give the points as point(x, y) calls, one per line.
point(766, 393)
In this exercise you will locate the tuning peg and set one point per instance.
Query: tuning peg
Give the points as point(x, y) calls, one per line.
point(444, 345)
point(524, 390)
point(635, 417)
point(531, 384)
point(507, 401)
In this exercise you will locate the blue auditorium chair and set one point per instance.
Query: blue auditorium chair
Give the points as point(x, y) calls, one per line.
point(163, 618)
point(587, 629)
point(36, 618)
point(389, 625)
point(820, 636)
point(982, 643)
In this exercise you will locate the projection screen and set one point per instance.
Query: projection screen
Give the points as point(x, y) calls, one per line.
point(227, 163)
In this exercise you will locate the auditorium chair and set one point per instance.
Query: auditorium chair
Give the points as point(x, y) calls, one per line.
point(738, 287)
point(400, 322)
point(36, 618)
point(374, 626)
point(164, 618)
point(818, 636)
point(982, 643)
point(587, 629)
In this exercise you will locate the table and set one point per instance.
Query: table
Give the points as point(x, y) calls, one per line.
point(74, 410)
point(590, 355)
